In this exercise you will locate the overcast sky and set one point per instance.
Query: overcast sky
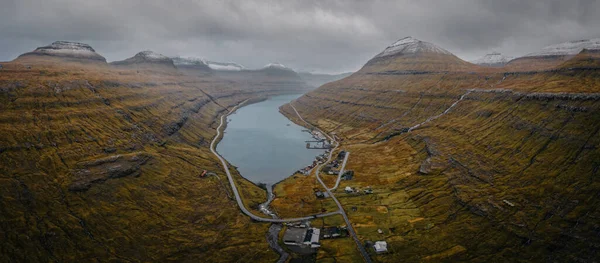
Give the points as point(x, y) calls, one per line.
point(308, 35)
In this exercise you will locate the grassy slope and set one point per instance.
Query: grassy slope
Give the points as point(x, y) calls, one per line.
point(538, 153)
point(55, 118)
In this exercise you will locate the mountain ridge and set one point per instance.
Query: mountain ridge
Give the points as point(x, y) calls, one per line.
point(67, 49)
point(494, 59)
point(146, 57)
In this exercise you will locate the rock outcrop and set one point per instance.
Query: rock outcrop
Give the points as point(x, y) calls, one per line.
point(100, 170)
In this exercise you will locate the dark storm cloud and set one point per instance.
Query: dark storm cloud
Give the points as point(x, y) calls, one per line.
point(308, 35)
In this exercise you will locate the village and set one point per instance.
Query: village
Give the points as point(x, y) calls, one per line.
point(303, 239)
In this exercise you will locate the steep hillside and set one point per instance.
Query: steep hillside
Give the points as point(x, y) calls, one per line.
point(478, 165)
point(410, 55)
point(552, 56)
point(101, 163)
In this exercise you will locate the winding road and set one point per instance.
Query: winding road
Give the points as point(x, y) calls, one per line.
point(359, 245)
point(337, 182)
point(237, 194)
point(240, 203)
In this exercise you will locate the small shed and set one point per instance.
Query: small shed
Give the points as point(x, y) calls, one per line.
point(319, 194)
point(380, 247)
point(348, 189)
point(347, 175)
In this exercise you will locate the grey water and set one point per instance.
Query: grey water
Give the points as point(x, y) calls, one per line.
point(263, 144)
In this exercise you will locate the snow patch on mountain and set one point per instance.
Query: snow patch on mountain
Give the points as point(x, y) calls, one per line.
point(410, 45)
point(570, 48)
point(277, 66)
point(152, 56)
point(188, 61)
point(492, 59)
point(68, 49)
point(224, 66)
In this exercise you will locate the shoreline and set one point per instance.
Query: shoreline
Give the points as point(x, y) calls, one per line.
point(234, 187)
point(268, 187)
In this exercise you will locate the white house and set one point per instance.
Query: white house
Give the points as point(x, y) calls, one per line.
point(314, 240)
point(380, 247)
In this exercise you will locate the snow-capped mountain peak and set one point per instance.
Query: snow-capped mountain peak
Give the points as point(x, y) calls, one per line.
point(151, 55)
point(66, 45)
point(570, 48)
point(492, 59)
point(277, 66)
point(410, 45)
point(68, 49)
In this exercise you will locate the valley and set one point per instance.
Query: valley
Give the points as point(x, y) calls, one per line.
point(425, 158)
point(465, 163)
point(104, 162)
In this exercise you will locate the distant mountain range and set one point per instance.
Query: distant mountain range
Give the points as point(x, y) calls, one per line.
point(318, 79)
point(553, 55)
point(493, 59)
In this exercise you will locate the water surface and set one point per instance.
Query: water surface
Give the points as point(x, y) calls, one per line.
point(264, 145)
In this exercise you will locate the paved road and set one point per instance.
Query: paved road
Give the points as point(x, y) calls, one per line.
point(359, 245)
point(272, 239)
point(337, 182)
point(237, 194)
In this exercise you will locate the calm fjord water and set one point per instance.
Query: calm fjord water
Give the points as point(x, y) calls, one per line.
point(264, 145)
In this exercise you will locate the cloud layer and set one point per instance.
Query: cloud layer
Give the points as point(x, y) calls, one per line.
point(310, 35)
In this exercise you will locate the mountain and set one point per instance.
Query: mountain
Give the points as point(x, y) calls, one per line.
point(586, 59)
point(69, 50)
point(191, 64)
point(146, 58)
point(276, 69)
point(465, 165)
point(570, 48)
point(318, 79)
point(413, 55)
point(224, 66)
point(553, 55)
point(103, 162)
point(493, 59)
point(272, 75)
